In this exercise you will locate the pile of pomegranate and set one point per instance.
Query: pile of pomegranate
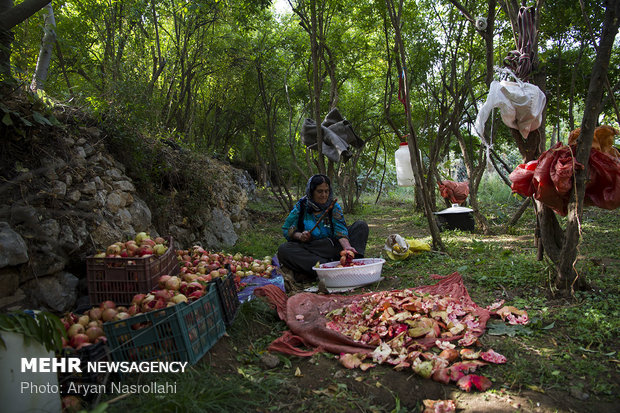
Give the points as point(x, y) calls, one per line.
point(141, 246)
point(198, 261)
point(420, 332)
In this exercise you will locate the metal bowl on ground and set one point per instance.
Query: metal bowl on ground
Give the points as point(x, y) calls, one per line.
point(456, 217)
point(356, 275)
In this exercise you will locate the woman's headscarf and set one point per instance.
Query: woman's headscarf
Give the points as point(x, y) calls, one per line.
point(313, 182)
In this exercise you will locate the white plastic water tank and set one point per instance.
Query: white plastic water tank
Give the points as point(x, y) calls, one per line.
point(404, 172)
point(27, 391)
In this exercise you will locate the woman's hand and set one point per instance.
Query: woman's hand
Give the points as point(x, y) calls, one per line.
point(344, 243)
point(303, 236)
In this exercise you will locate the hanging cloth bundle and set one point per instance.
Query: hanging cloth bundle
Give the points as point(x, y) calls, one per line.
point(520, 60)
point(521, 105)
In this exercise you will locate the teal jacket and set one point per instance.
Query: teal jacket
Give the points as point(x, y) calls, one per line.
point(323, 230)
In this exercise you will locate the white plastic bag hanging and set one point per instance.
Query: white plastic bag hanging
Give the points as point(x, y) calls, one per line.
point(521, 105)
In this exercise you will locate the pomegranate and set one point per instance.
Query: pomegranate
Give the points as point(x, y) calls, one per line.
point(161, 282)
point(173, 283)
point(179, 298)
point(108, 304)
point(78, 340)
point(109, 314)
point(93, 333)
point(121, 316)
point(196, 295)
point(137, 299)
point(71, 404)
point(133, 309)
point(75, 329)
point(163, 294)
point(95, 313)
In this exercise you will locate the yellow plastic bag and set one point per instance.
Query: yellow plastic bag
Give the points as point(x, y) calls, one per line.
point(399, 248)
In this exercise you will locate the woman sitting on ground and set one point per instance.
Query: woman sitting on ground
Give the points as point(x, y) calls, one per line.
point(306, 246)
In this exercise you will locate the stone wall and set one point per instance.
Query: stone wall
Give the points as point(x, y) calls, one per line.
point(77, 199)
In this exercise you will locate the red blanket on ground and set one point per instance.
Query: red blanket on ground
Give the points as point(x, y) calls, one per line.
point(304, 315)
point(550, 179)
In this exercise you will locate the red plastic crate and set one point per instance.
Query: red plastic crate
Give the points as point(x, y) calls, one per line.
point(119, 279)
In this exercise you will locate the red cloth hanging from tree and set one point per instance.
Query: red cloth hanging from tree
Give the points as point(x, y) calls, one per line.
point(456, 192)
point(549, 179)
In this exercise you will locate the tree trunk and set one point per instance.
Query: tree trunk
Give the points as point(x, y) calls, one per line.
point(11, 16)
point(414, 151)
point(45, 54)
point(567, 276)
point(316, 55)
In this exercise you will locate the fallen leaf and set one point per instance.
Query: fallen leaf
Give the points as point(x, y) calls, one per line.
point(350, 361)
point(535, 388)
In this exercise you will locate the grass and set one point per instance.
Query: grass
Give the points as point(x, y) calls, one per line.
point(570, 344)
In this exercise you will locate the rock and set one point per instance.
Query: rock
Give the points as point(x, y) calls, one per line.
point(74, 196)
point(13, 247)
point(88, 149)
point(245, 181)
point(269, 360)
point(126, 198)
point(66, 238)
point(92, 131)
point(87, 205)
point(140, 214)
point(80, 152)
point(49, 230)
point(123, 220)
point(182, 236)
point(221, 226)
point(113, 202)
point(114, 173)
point(578, 393)
point(98, 182)
point(45, 259)
point(50, 174)
point(124, 186)
point(81, 233)
point(9, 281)
point(24, 214)
point(101, 197)
point(89, 188)
point(57, 292)
point(59, 189)
point(14, 301)
point(105, 235)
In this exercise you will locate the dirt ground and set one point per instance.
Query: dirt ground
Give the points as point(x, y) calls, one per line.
point(382, 385)
point(394, 391)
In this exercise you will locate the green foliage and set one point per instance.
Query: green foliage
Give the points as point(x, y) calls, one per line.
point(42, 327)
